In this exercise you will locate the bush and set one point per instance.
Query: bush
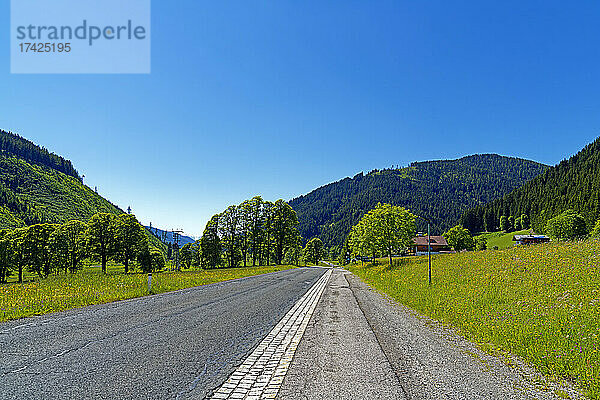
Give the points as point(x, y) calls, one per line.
point(481, 243)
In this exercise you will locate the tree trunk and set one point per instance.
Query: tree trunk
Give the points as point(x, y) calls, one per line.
point(104, 263)
point(126, 264)
point(20, 274)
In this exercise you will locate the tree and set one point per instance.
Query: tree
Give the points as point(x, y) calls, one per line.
point(489, 221)
point(284, 228)
point(596, 231)
point(510, 224)
point(504, 223)
point(6, 256)
point(36, 246)
point(313, 252)
point(386, 229)
point(19, 259)
point(480, 243)
point(255, 206)
point(196, 250)
point(187, 256)
point(210, 244)
point(245, 210)
point(362, 240)
point(129, 236)
point(229, 222)
point(568, 225)
point(67, 244)
point(158, 260)
point(459, 238)
point(267, 239)
point(293, 255)
point(524, 221)
point(150, 259)
point(101, 237)
point(518, 225)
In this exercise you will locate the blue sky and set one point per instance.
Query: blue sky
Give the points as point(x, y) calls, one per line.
point(278, 98)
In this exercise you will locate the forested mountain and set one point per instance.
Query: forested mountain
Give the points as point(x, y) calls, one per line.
point(15, 145)
point(37, 186)
point(572, 184)
point(438, 190)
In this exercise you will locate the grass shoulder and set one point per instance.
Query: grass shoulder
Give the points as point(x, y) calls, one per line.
point(63, 292)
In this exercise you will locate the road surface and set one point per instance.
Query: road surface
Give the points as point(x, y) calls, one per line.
point(178, 345)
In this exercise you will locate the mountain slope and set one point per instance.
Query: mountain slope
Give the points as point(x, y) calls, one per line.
point(571, 184)
point(38, 186)
point(439, 190)
point(52, 195)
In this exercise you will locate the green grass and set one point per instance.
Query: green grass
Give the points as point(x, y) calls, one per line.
point(58, 293)
point(541, 303)
point(501, 239)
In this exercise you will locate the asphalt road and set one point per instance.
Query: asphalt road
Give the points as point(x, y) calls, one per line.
point(177, 345)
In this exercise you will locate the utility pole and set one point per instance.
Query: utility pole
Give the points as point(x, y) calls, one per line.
point(176, 233)
point(428, 243)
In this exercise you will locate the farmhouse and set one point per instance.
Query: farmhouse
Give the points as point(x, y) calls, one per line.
point(438, 244)
point(530, 239)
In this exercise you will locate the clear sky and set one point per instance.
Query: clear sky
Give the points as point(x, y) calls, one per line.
point(279, 97)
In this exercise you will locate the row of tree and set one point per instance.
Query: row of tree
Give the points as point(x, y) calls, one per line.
point(256, 231)
point(51, 248)
point(510, 223)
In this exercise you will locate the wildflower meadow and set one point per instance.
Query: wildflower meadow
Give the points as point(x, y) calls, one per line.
point(541, 303)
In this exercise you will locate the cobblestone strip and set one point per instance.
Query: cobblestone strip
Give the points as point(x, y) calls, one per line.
point(261, 374)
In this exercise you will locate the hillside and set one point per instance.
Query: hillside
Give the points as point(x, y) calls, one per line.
point(439, 190)
point(50, 195)
point(34, 188)
point(15, 145)
point(572, 184)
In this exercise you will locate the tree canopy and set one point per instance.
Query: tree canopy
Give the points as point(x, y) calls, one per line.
point(385, 230)
point(460, 239)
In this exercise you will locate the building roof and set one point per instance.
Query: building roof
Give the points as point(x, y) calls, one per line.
point(435, 241)
point(524, 237)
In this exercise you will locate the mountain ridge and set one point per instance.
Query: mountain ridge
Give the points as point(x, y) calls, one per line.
point(331, 210)
point(573, 183)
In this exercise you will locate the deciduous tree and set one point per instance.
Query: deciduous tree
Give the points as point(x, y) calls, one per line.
point(37, 250)
point(313, 252)
point(67, 243)
point(129, 236)
point(459, 238)
point(101, 237)
point(210, 243)
point(568, 225)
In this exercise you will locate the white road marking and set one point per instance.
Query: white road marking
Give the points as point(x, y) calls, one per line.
point(261, 374)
